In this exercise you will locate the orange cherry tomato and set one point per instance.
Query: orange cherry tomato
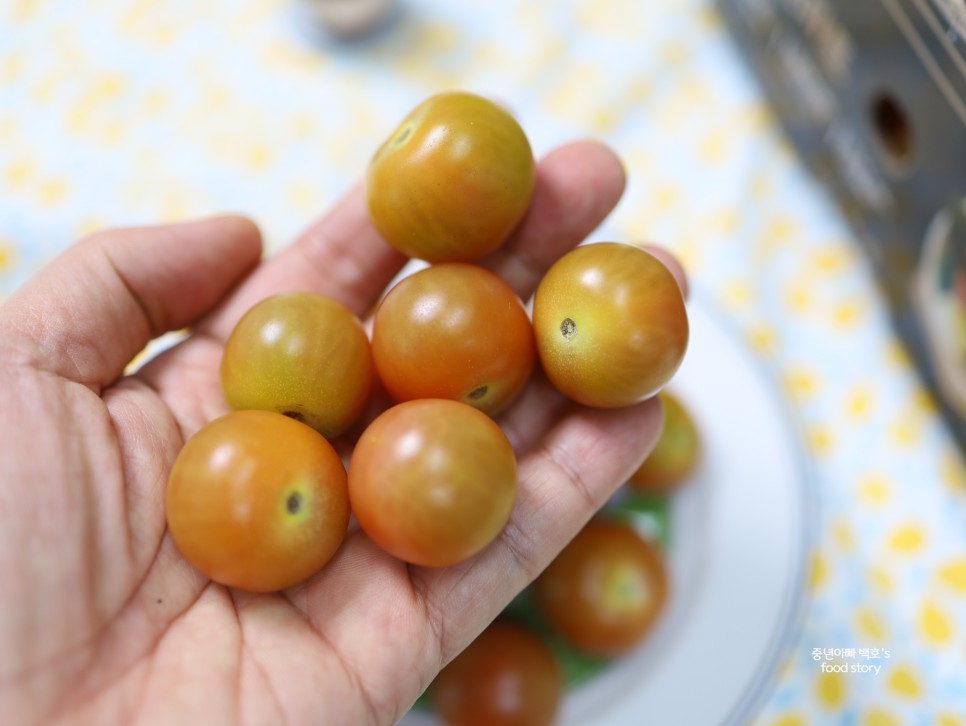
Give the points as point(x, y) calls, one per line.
point(610, 324)
point(456, 331)
point(432, 481)
point(506, 677)
point(452, 181)
point(605, 590)
point(257, 501)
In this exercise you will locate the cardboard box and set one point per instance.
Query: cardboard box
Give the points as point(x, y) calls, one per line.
point(872, 93)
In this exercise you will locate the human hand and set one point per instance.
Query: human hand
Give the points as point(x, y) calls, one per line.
point(103, 621)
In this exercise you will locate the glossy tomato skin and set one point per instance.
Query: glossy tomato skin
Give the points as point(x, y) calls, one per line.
point(303, 355)
point(457, 331)
point(506, 677)
point(610, 324)
point(257, 501)
point(453, 179)
point(432, 481)
point(676, 453)
point(605, 590)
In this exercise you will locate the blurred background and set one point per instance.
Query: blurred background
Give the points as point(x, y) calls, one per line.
point(117, 113)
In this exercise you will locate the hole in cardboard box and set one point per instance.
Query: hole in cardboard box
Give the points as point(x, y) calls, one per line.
point(891, 124)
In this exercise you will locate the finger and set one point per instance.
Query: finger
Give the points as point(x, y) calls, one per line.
point(341, 256)
point(578, 185)
point(563, 482)
point(673, 264)
point(99, 303)
point(533, 413)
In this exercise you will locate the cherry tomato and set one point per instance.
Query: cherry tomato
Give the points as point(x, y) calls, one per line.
point(432, 481)
point(452, 181)
point(506, 677)
point(676, 453)
point(610, 324)
point(257, 501)
point(605, 590)
point(303, 355)
point(457, 331)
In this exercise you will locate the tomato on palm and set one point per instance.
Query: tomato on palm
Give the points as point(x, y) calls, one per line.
point(610, 324)
point(605, 590)
point(303, 355)
point(257, 501)
point(453, 179)
point(676, 453)
point(456, 331)
point(432, 481)
point(506, 677)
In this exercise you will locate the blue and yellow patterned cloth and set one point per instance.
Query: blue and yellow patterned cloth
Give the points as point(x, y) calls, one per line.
point(116, 113)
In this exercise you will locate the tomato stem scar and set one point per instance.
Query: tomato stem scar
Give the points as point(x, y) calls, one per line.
point(294, 503)
point(477, 393)
point(568, 328)
point(403, 135)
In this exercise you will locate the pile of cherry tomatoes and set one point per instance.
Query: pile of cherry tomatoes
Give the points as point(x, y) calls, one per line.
point(260, 499)
point(599, 599)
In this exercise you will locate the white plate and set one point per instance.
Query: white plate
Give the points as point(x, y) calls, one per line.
point(740, 534)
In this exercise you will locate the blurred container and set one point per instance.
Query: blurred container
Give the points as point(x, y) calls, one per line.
point(872, 93)
point(347, 18)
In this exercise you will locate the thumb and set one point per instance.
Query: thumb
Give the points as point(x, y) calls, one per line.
point(89, 312)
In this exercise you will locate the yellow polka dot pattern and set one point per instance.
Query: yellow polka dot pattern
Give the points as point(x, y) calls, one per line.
point(119, 113)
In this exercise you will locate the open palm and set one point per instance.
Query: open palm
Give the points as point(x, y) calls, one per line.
point(102, 620)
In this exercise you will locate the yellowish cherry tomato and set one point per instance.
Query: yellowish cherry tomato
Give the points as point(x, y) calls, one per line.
point(676, 453)
point(303, 355)
point(452, 181)
point(610, 324)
